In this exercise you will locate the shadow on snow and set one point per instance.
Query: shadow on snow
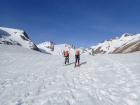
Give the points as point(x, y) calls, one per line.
point(82, 63)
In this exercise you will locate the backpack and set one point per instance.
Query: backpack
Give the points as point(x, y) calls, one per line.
point(66, 53)
point(77, 52)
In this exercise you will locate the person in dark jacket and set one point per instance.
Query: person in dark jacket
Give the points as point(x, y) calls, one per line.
point(77, 58)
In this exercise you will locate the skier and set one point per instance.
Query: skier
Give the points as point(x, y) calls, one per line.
point(77, 57)
point(66, 55)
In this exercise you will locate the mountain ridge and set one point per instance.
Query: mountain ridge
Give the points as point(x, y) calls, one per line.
point(126, 43)
point(11, 36)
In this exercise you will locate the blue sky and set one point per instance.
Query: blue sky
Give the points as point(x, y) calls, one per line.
point(78, 22)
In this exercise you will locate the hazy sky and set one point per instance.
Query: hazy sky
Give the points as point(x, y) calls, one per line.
point(78, 22)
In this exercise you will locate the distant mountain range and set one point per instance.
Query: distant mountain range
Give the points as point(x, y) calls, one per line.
point(127, 43)
point(55, 49)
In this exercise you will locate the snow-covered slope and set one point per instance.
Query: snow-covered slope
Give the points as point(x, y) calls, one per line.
point(28, 77)
point(12, 36)
point(124, 44)
point(46, 47)
point(55, 49)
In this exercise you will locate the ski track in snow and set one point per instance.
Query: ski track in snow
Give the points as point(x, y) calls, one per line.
point(32, 78)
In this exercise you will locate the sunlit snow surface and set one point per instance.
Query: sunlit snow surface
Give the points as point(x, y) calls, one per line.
point(31, 78)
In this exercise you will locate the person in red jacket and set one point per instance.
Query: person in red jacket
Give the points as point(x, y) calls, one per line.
point(77, 57)
point(66, 55)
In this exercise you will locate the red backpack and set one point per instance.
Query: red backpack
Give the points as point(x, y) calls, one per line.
point(66, 53)
point(77, 52)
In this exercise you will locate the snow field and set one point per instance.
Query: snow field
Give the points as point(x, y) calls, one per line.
point(32, 78)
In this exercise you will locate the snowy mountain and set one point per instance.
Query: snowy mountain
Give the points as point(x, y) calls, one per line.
point(46, 47)
point(55, 49)
point(29, 77)
point(18, 37)
point(125, 44)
